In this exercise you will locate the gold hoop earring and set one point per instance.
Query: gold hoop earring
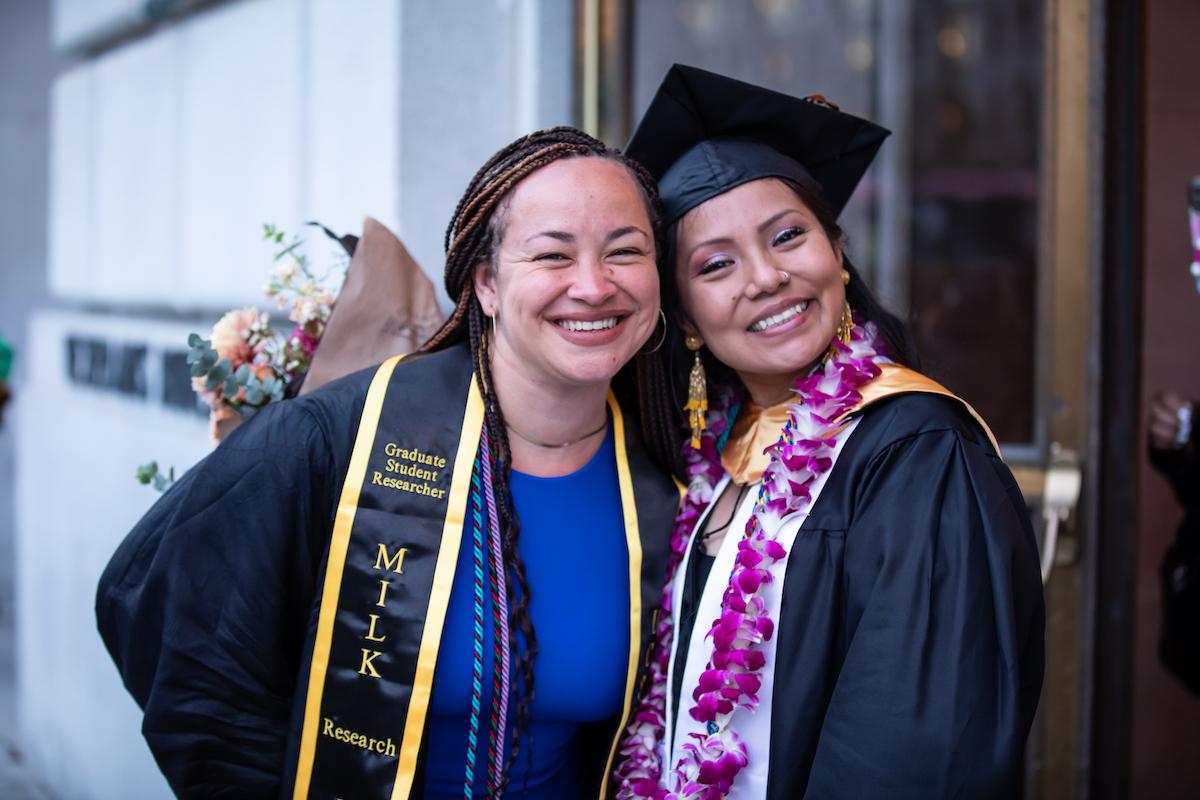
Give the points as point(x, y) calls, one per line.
point(697, 404)
point(662, 339)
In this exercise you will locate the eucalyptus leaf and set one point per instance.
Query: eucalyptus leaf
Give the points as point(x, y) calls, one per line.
point(201, 356)
point(219, 374)
point(203, 366)
point(149, 474)
point(146, 472)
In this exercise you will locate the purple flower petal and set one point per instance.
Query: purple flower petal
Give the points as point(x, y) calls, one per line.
point(749, 580)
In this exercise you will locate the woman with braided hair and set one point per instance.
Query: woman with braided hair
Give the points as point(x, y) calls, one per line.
point(854, 607)
point(434, 578)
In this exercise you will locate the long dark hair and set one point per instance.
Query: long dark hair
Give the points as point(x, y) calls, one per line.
point(663, 377)
point(472, 237)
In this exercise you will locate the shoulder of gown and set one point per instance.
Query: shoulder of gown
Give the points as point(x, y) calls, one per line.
point(206, 604)
point(891, 425)
point(281, 446)
point(903, 415)
point(924, 564)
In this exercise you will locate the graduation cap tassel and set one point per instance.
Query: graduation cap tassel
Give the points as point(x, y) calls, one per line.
point(697, 404)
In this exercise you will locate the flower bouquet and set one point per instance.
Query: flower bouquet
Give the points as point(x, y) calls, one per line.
point(246, 363)
point(384, 305)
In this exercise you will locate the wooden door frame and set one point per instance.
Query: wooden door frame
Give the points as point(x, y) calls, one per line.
point(1093, 228)
point(603, 69)
point(1112, 547)
point(1066, 318)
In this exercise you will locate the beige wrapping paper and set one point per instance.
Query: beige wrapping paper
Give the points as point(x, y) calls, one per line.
point(387, 306)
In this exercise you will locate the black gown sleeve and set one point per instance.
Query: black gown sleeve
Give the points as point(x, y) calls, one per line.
point(943, 655)
point(206, 604)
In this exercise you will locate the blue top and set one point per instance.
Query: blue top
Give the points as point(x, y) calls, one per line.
point(572, 541)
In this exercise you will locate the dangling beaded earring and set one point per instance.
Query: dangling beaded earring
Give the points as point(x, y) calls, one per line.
point(845, 324)
point(697, 404)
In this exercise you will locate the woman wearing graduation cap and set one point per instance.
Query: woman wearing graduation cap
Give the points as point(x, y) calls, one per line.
point(351, 596)
point(853, 605)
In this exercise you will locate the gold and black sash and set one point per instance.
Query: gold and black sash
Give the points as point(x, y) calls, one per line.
point(390, 567)
point(387, 582)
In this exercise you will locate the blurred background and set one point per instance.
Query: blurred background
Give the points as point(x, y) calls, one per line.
point(1027, 215)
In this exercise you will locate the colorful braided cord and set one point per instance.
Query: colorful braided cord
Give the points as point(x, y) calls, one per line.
point(501, 656)
point(477, 511)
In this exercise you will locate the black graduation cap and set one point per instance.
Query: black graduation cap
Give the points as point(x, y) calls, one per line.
point(704, 134)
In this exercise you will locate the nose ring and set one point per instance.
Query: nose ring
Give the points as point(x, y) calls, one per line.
point(784, 277)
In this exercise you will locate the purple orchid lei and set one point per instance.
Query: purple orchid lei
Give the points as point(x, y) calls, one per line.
point(732, 679)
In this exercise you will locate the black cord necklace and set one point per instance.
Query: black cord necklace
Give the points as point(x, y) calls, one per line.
point(701, 561)
point(707, 534)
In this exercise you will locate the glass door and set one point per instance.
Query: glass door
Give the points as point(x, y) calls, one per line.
point(972, 223)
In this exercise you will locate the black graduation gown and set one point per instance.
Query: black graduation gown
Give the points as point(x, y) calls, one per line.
point(910, 640)
point(237, 619)
point(1179, 572)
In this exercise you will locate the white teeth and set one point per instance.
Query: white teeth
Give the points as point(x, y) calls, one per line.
point(780, 318)
point(593, 325)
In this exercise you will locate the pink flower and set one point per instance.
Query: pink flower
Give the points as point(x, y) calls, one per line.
point(306, 342)
point(748, 682)
point(748, 580)
point(231, 335)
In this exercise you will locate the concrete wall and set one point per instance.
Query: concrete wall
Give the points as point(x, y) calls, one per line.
point(26, 70)
point(77, 447)
point(167, 150)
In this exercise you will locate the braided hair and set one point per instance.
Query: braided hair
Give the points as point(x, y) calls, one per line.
point(473, 237)
point(662, 378)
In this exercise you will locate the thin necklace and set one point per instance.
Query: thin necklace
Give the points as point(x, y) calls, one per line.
point(737, 503)
point(577, 440)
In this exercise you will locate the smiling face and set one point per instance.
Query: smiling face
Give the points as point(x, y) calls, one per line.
point(760, 282)
point(573, 275)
